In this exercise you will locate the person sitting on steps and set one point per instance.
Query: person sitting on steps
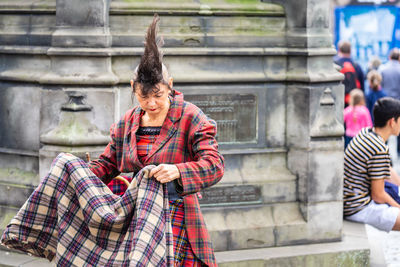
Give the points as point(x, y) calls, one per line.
point(367, 166)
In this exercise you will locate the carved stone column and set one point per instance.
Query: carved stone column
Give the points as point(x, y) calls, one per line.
point(314, 117)
point(82, 24)
point(80, 44)
point(80, 61)
point(74, 133)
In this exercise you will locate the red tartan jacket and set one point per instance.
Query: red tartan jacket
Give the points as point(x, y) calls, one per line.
point(187, 139)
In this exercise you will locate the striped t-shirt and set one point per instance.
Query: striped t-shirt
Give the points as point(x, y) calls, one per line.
point(365, 158)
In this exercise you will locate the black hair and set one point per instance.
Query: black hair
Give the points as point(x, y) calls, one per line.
point(385, 109)
point(151, 70)
point(394, 54)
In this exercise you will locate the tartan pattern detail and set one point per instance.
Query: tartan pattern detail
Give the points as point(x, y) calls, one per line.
point(187, 139)
point(183, 252)
point(75, 218)
point(144, 144)
point(117, 186)
point(184, 255)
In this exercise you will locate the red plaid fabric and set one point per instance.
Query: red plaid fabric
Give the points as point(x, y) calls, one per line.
point(184, 255)
point(187, 139)
point(144, 144)
point(117, 186)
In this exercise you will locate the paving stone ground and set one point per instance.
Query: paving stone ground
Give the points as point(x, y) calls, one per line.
point(390, 241)
point(391, 249)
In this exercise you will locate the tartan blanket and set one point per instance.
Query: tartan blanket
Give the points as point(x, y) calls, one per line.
point(73, 216)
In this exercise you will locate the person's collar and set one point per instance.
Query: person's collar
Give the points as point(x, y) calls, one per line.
point(381, 133)
point(176, 107)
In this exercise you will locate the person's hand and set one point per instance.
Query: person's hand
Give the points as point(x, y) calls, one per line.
point(165, 173)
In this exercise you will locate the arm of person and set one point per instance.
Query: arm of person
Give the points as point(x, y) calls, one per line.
point(379, 194)
point(378, 170)
point(207, 168)
point(105, 167)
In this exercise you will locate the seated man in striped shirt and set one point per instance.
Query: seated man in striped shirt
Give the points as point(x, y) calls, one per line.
point(367, 165)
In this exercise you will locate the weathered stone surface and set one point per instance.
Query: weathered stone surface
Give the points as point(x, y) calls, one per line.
point(326, 176)
point(241, 112)
point(278, 56)
point(104, 103)
point(303, 105)
point(9, 259)
point(240, 227)
point(352, 251)
point(6, 214)
point(19, 110)
point(320, 173)
point(35, 29)
point(82, 24)
point(49, 153)
point(23, 160)
point(231, 195)
point(17, 176)
point(80, 70)
point(14, 195)
point(343, 258)
point(189, 31)
point(325, 221)
point(279, 191)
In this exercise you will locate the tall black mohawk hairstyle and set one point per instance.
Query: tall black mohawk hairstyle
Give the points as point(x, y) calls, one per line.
point(150, 69)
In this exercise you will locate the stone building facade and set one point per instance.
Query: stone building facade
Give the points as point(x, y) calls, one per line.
point(262, 70)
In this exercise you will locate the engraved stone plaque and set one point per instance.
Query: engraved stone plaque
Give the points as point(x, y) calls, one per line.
point(236, 115)
point(231, 195)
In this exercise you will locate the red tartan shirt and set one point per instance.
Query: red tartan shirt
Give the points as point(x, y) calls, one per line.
point(187, 139)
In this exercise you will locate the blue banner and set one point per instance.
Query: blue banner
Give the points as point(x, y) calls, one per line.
point(372, 31)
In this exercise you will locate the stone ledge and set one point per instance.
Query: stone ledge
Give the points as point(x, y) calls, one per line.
point(149, 7)
point(167, 51)
point(18, 177)
point(254, 226)
point(204, 8)
point(8, 258)
point(353, 250)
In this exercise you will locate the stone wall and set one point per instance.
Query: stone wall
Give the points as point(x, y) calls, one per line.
point(263, 71)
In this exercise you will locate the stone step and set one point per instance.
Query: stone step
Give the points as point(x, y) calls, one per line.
point(8, 259)
point(352, 251)
point(16, 186)
point(6, 214)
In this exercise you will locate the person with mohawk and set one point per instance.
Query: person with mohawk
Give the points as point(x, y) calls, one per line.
point(170, 147)
point(179, 138)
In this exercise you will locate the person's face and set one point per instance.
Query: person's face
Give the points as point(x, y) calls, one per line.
point(154, 103)
point(395, 123)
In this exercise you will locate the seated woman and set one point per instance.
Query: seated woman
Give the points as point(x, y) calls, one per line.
point(165, 131)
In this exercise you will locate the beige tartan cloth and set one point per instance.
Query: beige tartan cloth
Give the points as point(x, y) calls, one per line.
point(75, 217)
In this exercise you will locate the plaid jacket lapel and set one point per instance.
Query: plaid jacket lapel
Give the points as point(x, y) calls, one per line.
point(169, 127)
point(135, 122)
point(167, 131)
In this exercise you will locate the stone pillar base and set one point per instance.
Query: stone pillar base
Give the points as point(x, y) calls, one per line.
point(48, 153)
